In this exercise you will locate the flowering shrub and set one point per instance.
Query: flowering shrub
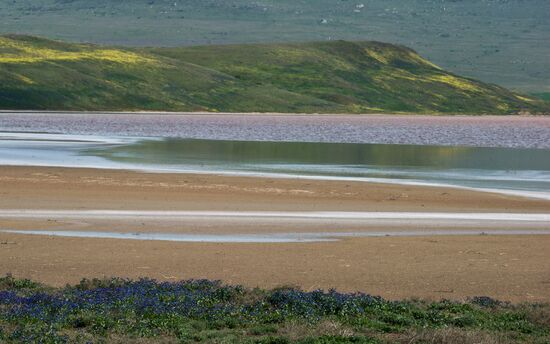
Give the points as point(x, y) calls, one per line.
point(195, 309)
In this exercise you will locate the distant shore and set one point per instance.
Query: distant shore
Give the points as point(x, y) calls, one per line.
point(203, 113)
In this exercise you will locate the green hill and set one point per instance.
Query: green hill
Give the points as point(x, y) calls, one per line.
point(338, 76)
point(505, 42)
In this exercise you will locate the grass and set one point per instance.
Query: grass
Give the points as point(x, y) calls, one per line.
point(502, 42)
point(27, 51)
point(544, 96)
point(146, 311)
point(324, 77)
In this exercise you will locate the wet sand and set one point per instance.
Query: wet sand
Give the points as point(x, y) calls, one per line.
point(510, 267)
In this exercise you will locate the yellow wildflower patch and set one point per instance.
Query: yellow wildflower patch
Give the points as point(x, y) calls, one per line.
point(455, 82)
point(32, 54)
point(25, 79)
point(525, 99)
point(403, 74)
point(386, 56)
point(503, 107)
point(377, 56)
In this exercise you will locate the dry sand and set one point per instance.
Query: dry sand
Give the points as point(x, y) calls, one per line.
point(512, 268)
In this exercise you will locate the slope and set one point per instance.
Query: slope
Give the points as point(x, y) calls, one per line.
point(339, 76)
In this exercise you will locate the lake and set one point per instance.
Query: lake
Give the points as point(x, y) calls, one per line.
point(504, 154)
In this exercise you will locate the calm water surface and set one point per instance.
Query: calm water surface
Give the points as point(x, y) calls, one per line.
point(510, 154)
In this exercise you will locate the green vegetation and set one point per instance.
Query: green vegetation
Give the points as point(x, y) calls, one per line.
point(146, 311)
point(497, 41)
point(544, 96)
point(337, 77)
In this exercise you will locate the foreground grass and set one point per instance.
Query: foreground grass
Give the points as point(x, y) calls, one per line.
point(324, 77)
point(144, 311)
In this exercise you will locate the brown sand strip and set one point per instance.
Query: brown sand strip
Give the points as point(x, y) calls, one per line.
point(512, 268)
point(62, 188)
point(509, 268)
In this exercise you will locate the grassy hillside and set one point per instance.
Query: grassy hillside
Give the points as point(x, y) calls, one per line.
point(339, 76)
point(543, 96)
point(506, 42)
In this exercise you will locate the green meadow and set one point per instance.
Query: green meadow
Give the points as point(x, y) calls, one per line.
point(318, 77)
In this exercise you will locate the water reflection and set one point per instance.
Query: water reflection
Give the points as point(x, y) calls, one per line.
point(181, 151)
point(482, 168)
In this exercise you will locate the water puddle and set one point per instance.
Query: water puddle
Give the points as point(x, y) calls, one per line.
point(268, 238)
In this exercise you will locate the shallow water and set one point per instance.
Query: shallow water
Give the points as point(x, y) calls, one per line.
point(508, 170)
point(269, 238)
point(143, 142)
point(492, 168)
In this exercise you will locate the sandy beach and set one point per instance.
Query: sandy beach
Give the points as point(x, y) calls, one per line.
point(508, 267)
